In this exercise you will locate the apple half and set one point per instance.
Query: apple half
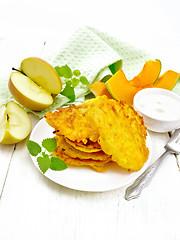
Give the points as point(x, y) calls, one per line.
point(28, 93)
point(35, 84)
point(15, 123)
point(42, 73)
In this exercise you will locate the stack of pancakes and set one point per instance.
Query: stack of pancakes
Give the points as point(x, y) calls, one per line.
point(99, 131)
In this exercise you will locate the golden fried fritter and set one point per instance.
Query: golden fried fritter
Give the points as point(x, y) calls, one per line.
point(98, 166)
point(116, 127)
point(88, 147)
point(62, 145)
point(122, 133)
point(63, 153)
point(72, 123)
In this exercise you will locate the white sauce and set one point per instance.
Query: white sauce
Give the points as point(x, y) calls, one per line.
point(160, 106)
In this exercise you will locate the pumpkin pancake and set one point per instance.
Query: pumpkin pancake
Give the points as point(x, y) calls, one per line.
point(98, 166)
point(72, 123)
point(115, 126)
point(61, 152)
point(88, 147)
point(122, 133)
point(63, 146)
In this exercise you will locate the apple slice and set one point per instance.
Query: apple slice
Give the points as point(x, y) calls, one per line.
point(42, 73)
point(28, 93)
point(15, 123)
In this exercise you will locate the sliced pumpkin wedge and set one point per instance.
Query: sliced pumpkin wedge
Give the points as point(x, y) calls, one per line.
point(99, 89)
point(120, 89)
point(167, 80)
point(149, 74)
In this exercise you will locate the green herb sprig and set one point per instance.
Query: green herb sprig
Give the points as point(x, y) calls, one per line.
point(44, 159)
point(72, 80)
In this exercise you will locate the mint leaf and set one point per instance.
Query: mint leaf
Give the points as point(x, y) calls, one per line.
point(43, 154)
point(67, 73)
point(59, 71)
point(64, 71)
point(57, 164)
point(68, 92)
point(84, 80)
point(76, 73)
point(33, 147)
point(49, 144)
point(44, 163)
point(75, 82)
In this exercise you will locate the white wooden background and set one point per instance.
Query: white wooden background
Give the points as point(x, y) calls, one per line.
point(31, 206)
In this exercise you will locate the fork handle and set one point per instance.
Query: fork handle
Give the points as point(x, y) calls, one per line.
point(134, 190)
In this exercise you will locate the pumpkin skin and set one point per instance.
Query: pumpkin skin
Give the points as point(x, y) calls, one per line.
point(100, 89)
point(167, 80)
point(120, 88)
point(148, 75)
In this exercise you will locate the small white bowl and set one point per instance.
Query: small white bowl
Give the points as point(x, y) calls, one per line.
point(159, 108)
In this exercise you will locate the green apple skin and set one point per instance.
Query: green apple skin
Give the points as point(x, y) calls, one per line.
point(15, 123)
point(42, 73)
point(28, 93)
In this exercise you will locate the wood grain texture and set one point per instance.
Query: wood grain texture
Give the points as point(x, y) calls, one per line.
point(6, 153)
point(45, 210)
point(35, 208)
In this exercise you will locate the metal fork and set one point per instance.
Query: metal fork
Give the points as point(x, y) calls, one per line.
point(172, 146)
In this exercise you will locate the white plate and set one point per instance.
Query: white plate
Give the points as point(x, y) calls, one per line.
point(83, 178)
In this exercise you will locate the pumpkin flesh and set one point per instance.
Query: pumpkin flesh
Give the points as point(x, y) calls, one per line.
point(120, 89)
point(100, 89)
point(167, 80)
point(148, 75)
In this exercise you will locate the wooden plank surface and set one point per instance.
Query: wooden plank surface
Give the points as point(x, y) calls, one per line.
point(39, 204)
point(33, 207)
point(5, 161)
